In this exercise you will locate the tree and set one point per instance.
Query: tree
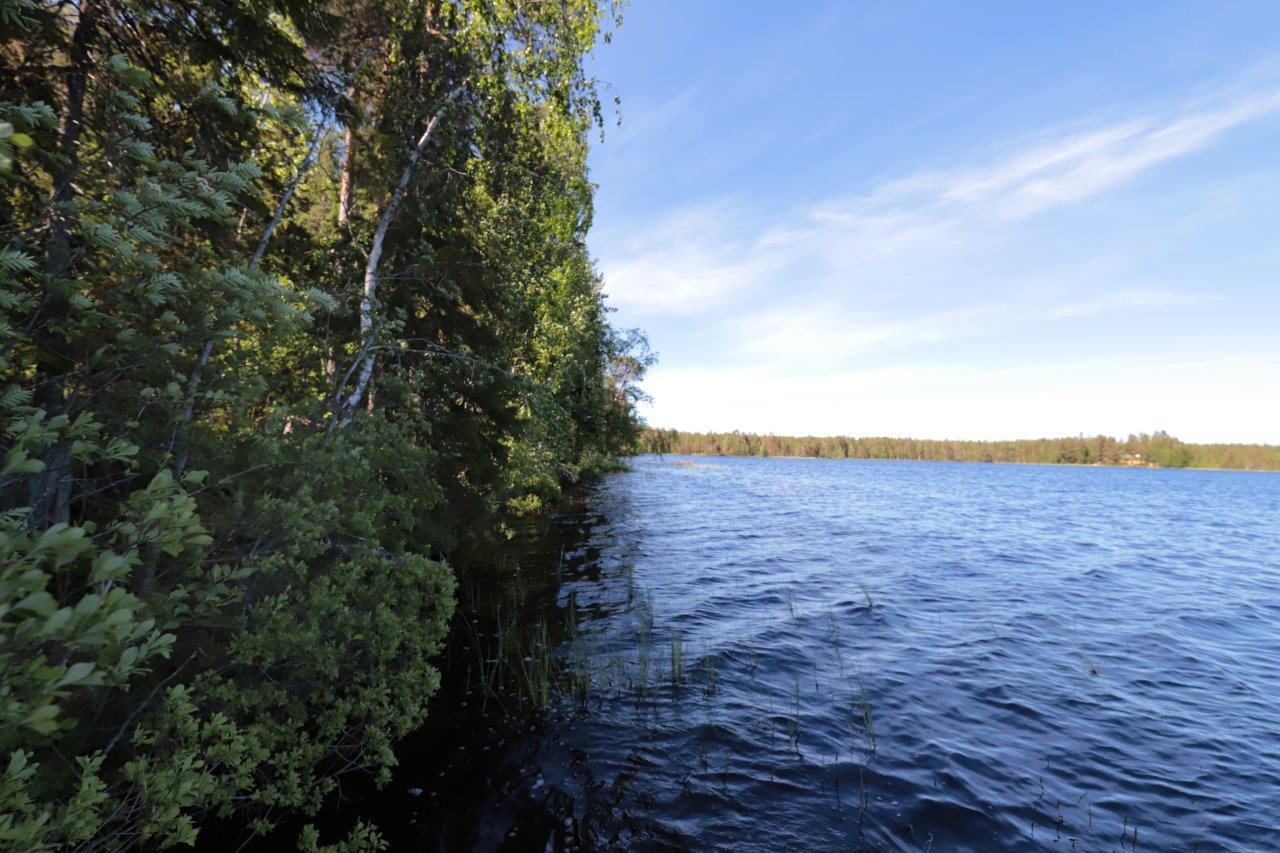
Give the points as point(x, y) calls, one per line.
point(214, 599)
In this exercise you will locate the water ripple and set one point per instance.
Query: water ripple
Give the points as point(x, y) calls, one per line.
point(957, 657)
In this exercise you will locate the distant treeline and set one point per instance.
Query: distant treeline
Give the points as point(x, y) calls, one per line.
point(1158, 449)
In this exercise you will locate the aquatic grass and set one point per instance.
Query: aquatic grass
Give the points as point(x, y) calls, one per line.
point(618, 666)
point(580, 668)
point(644, 623)
point(833, 773)
point(1089, 662)
point(677, 660)
point(867, 719)
point(709, 673)
point(511, 662)
point(753, 657)
point(1125, 838)
point(642, 668)
point(482, 665)
point(793, 721)
point(704, 746)
point(867, 593)
point(571, 616)
point(504, 634)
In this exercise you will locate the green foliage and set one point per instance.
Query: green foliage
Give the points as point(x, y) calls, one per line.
point(363, 839)
point(216, 595)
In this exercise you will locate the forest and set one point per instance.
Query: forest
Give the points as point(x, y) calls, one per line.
point(293, 295)
point(1158, 450)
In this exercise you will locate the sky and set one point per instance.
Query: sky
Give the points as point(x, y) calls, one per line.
point(947, 220)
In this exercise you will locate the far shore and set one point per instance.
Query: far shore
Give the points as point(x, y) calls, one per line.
point(963, 462)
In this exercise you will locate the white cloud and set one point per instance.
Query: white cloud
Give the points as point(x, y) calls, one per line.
point(1126, 299)
point(830, 334)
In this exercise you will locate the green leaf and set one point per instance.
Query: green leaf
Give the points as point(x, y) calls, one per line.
point(43, 719)
point(75, 673)
point(39, 603)
point(57, 621)
point(17, 461)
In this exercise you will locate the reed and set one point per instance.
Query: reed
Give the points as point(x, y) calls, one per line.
point(580, 668)
point(677, 660)
point(571, 616)
point(753, 657)
point(793, 721)
point(536, 668)
point(618, 666)
point(642, 667)
point(867, 720)
point(1089, 662)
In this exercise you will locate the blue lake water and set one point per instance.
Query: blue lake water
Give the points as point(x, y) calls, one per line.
point(890, 656)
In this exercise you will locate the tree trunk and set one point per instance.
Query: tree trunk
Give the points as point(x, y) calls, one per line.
point(347, 407)
point(303, 168)
point(346, 178)
point(70, 126)
point(345, 181)
point(49, 492)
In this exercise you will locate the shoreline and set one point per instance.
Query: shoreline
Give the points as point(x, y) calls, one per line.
point(964, 462)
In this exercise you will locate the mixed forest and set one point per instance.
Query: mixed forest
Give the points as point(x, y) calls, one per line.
point(1156, 450)
point(292, 295)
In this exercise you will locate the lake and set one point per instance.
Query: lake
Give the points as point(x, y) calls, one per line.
point(765, 654)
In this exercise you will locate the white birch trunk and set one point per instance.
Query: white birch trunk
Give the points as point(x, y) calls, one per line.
point(348, 406)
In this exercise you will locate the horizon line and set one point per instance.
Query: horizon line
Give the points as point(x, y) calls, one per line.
point(1084, 436)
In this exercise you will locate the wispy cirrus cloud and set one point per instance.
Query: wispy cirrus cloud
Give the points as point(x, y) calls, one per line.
point(690, 261)
point(937, 211)
point(832, 335)
point(700, 258)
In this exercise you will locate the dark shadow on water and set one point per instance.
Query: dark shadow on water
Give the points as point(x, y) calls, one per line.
point(471, 778)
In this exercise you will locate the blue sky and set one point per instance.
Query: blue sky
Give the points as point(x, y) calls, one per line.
point(946, 220)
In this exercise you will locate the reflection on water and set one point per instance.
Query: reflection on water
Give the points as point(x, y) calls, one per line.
point(762, 654)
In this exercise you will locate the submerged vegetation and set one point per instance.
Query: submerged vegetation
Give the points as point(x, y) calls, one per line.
point(1157, 450)
point(291, 295)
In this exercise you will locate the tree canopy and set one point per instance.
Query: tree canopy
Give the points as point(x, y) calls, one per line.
point(291, 295)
